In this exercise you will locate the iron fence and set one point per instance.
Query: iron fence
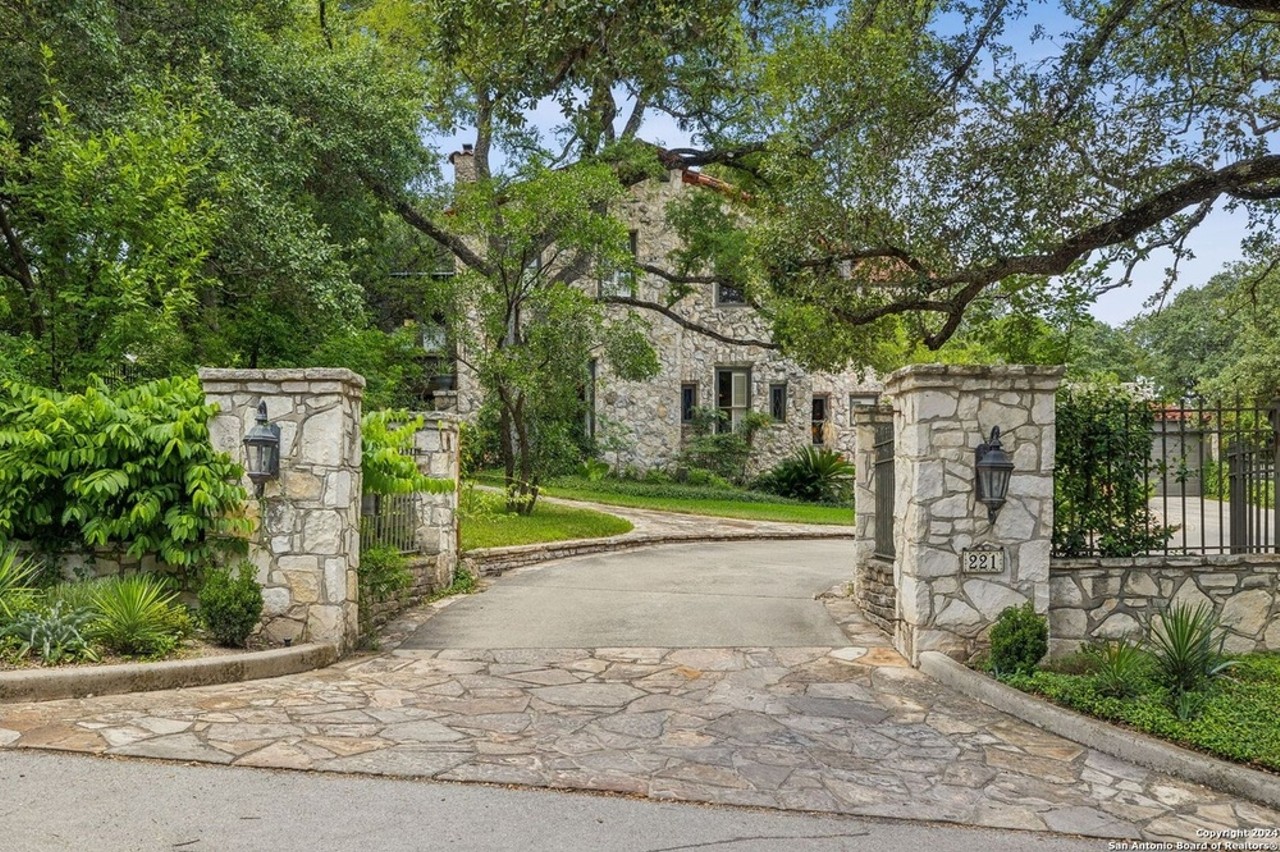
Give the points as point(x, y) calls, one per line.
point(1144, 478)
point(884, 490)
point(389, 521)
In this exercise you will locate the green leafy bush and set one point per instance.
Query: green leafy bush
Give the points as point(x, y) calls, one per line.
point(1019, 639)
point(384, 572)
point(812, 474)
point(1118, 667)
point(230, 606)
point(593, 470)
point(1102, 469)
point(388, 466)
point(137, 616)
point(719, 450)
point(132, 468)
point(1187, 646)
point(54, 634)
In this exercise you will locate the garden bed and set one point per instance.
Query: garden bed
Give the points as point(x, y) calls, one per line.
point(1238, 718)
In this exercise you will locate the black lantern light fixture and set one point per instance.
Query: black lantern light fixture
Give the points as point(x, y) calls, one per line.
point(993, 466)
point(262, 448)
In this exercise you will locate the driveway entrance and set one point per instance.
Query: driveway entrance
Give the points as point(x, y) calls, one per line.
point(739, 594)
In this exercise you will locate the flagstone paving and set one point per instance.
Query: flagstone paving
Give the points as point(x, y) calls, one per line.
point(850, 730)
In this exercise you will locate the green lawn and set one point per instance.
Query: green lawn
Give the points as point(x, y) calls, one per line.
point(1237, 716)
point(696, 500)
point(484, 524)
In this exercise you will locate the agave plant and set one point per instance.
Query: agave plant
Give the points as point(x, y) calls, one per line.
point(1117, 667)
point(136, 616)
point(54, 634)
point(1187, 646)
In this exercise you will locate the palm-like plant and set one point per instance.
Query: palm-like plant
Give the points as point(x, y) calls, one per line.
point(136, 616)
point(811, 473)
point(1187, 646)
point(16, 579)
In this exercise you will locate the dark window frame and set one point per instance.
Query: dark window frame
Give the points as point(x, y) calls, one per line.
point(737, 300)
point(778, 402)
point(727, 424)
point(817, 427)
point(688, 403)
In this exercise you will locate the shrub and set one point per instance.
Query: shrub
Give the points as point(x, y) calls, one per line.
point(1118, 667)
point(812, 474)
point(132, 468)
point(383, 572)
point(1187, 646)
point(724, 453)
point(230, 606)
point(593, 470)
point(1102, 470)
point(54, 634)
point(135, 616)
point(1019, 639)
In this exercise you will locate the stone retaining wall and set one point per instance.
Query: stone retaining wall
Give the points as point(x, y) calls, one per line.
point(1109, 598)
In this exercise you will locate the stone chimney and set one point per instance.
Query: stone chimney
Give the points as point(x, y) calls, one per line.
point(464, 164)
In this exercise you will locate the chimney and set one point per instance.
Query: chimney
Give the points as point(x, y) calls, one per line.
point(464, 164)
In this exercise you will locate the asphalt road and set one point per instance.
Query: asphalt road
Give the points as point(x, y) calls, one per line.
point(69, 802)
point(730, 594)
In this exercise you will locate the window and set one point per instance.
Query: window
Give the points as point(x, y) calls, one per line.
point(819, 420)
point(688, 401)
point(861, 400)
point(727, 294)
point(778, 402)
point(621, 282)
point(733, 396)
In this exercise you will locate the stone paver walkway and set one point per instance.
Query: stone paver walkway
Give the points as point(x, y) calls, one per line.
point(849, 730)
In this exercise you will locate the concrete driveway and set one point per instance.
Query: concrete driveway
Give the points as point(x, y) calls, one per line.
point(737, 594)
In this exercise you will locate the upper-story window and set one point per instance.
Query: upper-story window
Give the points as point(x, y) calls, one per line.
point(727, 294)
point(621, 282)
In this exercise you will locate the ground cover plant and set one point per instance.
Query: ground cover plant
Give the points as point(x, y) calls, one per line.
point(723, 500)
point(484, 523)
point(1175, 684)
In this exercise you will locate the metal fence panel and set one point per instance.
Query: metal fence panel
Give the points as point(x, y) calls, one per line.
point(884, 490)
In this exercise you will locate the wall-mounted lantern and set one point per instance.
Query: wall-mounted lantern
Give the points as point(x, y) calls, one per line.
point(262, 448)
point(993, 466)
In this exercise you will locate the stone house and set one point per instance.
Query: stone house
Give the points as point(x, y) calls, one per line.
point(644, 424)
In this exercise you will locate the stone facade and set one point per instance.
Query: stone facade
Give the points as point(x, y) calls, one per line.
point(639, 424)
point(307, 542)
point(940, 414)
point(435, 447)
point(1110, 598)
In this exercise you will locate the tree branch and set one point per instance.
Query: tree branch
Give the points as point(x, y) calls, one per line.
point(416, 220)
point(683, 322)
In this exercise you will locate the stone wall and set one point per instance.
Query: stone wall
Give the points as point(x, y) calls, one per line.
point(436, 449)
point(1110, 598)
point(941, 414)
point(306, 544)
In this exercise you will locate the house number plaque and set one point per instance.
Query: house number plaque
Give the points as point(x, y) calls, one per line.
point(982, 560)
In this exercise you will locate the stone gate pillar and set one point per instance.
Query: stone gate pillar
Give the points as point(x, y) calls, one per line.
point(941, 414)
point(306, 544)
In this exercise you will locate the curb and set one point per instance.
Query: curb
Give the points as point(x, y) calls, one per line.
point(494, 561)
point(1133, 746)
point(86, 681)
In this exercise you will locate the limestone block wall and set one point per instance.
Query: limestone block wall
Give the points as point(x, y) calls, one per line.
point(941, 414)
point(642, 419)
point(436, 449)
point(307, 541)
point(1111, 598)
